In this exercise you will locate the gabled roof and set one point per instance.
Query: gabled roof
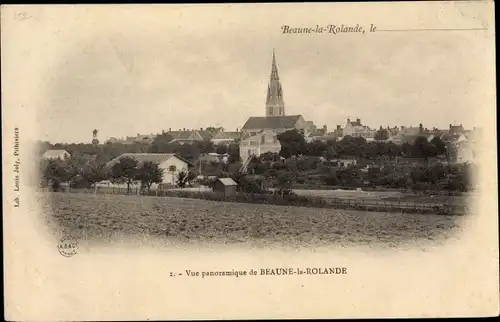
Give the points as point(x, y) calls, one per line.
point(323, 138)
point(190, 135)
point(271, 122)
point(54, 153)
point(227, 181)
point(147, 157)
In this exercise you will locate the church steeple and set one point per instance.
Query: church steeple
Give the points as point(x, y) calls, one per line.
point(274, 103)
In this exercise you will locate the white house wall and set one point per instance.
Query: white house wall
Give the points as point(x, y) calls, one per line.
point(253, 145)
point(179, 165)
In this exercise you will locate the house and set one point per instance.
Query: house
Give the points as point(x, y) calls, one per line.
point(279, 124)
point(226, 138)
point(465, 152)
point(227, 186)
point(356, 129)
point(189, 136)
point(214, 157)
point(113, 140)
point(343, 163)
point(171, 164)
point(456, 129)
point(139, 138)
point(322, 138)
point(402, 138)
point(56, 154)
point(255, 145)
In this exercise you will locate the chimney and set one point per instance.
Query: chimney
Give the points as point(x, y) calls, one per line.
point(348, 120)
point(421, 128)
point(358, 121)
point(170, 129)
point(184, 129)
point(338, 127)
point(450, 126)
point(236, 130)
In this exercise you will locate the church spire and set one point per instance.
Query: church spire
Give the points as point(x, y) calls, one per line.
point(274, 68)
point(274, 103)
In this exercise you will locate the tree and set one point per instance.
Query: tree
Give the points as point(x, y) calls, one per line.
point(439, 146)
point(421, 148)
point(182, 178)
point(55, 172)
point(234, 153)
point(95, 141)
point(149, 173)
point(292, 143)
point(93, 172)
point(161, 144)
point(125, 171)
point(316, 148)
point(190, 177)
point(381, 135)
point(188, 151)
point(221, 149)
point(269, 156)
point(284, 184)
point(206, 146)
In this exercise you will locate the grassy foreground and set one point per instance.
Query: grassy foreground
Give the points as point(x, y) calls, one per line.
point(97, 217)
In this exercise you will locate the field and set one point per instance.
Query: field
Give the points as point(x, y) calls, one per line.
point(181, 220)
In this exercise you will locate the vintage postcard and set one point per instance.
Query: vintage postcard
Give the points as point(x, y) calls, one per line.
point(249, 161)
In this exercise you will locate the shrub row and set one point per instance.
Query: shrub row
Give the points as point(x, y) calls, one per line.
point(315, 202)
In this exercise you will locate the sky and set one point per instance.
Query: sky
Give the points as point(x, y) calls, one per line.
point(142, 69)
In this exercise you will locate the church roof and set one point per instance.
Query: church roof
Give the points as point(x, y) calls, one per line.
point(271, 122)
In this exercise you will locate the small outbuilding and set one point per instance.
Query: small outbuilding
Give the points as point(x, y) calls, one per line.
point(226, 186)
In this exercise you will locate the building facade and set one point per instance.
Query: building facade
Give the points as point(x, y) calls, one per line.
point(56, 155)
point(356, 129)
point(255, 145)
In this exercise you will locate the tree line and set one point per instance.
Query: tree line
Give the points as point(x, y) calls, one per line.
point(126, 170)
point(293, 143)
point(104, 153)
point(313, 171)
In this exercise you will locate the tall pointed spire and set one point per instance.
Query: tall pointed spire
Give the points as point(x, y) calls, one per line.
point(274, 68)
point(274, 103)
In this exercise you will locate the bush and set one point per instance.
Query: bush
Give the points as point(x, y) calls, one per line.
point(331, 180)
point(301, 180)
point(284, 192)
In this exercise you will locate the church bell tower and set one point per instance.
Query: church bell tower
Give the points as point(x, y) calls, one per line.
point(274, 103)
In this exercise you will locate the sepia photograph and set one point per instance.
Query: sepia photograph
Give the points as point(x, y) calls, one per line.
point(251, 128)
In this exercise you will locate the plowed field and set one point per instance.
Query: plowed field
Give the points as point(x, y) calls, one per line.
point(96, 217)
